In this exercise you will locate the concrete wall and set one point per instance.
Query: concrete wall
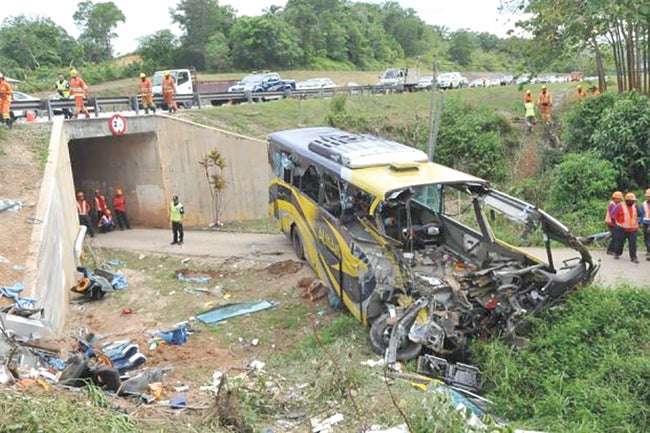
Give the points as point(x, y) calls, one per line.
point(159, 157)
point(51, 267)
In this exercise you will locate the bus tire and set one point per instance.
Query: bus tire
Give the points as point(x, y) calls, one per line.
point(296, 241)
point(380, 336)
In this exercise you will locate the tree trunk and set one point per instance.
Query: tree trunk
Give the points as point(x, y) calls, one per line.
point(599, 63)
point(631, 58)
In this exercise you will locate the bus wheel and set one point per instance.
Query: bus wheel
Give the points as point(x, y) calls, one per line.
point(296, 241)
point(380, 337)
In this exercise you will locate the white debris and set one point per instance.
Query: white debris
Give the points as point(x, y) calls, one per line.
point(373, 362)
point(255, 341)
point(257, 365)
point(326, 425)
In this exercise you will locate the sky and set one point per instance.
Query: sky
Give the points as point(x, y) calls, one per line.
point(144, 17)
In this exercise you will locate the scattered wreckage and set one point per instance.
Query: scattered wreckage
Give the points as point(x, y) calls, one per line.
point(415, 250)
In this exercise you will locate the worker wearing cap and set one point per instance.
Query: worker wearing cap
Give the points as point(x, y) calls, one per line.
point(545, 102)
point(78, 89)
point(168, 91)
point(83, 210)
point(617, 197)
point(644, 220)
point(119, 206)
point(580, 92)
point(626, 224)
point(146, 93)
point(6, 96)
point(176, 212)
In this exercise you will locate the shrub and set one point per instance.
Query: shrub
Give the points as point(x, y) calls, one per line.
point(582, 120)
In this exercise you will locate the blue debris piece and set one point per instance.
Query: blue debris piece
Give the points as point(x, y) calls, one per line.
point(202, 279)
point(19, 267)
point(119, 282)
point(178, 401)
point(12, 293)
point(116, 262)
point(224, 312)
point(177, 336)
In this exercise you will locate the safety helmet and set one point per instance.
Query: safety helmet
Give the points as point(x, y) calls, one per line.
point(142, 75)
point(73, 72)
point(647, 192)
point(97, 191)
point(544, 87)
point(166, 73)
point(80, 194)
point(617, 194)
point(579, 86)
point(107, 212)
point(630, 196)
point(118, 191)
point(528, 92)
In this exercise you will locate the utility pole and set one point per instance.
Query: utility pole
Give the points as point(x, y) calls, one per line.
point(434, 112)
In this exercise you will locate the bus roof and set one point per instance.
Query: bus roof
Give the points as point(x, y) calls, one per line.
point(375, 164)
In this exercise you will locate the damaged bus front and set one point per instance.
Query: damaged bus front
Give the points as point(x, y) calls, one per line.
point(427, 256)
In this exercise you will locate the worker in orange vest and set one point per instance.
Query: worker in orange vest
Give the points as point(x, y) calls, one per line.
point(119, 206)
point(626, 224)
point(580, 92)
point(83, 209)
point(99, 202)
point(617, 197)
point(6, 96)
point(594, 91)
point(528, 97)
point(169, 90)
point(78, 90)
point(545, 102)
point(644, 220)
point(146, 93)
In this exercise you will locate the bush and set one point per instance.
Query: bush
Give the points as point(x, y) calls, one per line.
point(585, 369)
point(582, 120)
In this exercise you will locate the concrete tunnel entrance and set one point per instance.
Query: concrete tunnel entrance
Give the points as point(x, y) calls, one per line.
point(130, 162)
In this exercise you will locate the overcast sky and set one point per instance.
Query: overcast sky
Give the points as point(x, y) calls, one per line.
point(144, 17)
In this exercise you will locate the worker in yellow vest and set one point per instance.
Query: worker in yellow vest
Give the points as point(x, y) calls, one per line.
point(176, 212)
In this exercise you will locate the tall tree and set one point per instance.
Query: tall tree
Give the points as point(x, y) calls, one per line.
point(461, 45)
point(158, 50)
point(200, 20)
point(97, 22)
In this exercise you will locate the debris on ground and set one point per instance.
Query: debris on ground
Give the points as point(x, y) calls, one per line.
point(20, 304)
point(403, 428)
point(223, 312)
point(284, 267)
point(325, 426)
point(94, 285)
point(312, 288)
point(11, 205)
point(191, 279)
point(459, 375)
point(176, 336)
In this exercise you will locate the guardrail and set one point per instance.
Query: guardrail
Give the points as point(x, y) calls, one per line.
point(97, 104)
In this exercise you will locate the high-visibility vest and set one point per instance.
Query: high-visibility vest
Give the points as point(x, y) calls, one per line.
point(581, 94)
point(5, 91)
point(145, 87)
point(545, 98)
point(608, 215)
point(100, 203)
point(630, 218)
point(528, 98)
point(63, 88)
point(646, 213)
point(168, 85)
point(83, 207)
point(175, 214)
point(530, 109)
point(77, 86)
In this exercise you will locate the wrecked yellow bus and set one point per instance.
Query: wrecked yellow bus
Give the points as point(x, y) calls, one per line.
point(415, 250)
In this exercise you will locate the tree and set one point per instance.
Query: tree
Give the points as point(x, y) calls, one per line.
point(200, 20)
point(32, 43)
point(158, 50)
point(461, 45)
point(217, 53)
point(97, 22)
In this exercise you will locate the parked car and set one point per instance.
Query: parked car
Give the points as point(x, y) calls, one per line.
point(478, 82)
point(316, 84)
point(23, 97)
point(263, 82)
point(425, 83)
point(450, 80)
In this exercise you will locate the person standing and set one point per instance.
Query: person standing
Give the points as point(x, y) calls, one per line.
point(169, 90)
point(62, 87)
point(78, 89)
point(644, 220)
point(530, 115)
point(119, 206)
point(100, 205)
point(626, 224)
point(6, 96)
point(146, 93)
point(83, 209)
point(545, 102)
point(594, 91)
point(176, 212)
point(528, 97)
point(617, 197)
point(580, 93)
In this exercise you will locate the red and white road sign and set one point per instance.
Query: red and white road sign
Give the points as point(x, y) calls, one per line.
point(117, 124)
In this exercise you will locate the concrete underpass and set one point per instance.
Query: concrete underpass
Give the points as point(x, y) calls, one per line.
point(156, 157)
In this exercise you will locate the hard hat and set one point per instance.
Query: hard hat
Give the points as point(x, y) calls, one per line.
point(97, 191)
point(107, 211)
point(630, 196)
point(73, 72)
point(166, 73)
point(544, 87)
point(528, 91)
point(647, 192)
point(617, 194)
point(118, 191)
point(80, 194)
point(579, 86)
point(142, 75)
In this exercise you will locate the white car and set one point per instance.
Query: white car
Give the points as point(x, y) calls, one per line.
point(450, 80)
point(478, 82)
point(425, 83)
point(316, 84)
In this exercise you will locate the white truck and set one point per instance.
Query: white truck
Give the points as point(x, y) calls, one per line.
point(400, 78)
point(187, 84)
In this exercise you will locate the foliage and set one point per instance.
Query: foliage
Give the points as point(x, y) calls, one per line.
point(585, 368)
point(97, 22)
point(158, 50)
point(582, 120)
point(462, 43)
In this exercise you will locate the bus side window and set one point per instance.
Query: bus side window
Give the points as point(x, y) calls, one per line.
point(310, 182)
point(331, 198)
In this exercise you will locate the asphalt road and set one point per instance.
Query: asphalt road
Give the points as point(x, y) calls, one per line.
point(270, 248)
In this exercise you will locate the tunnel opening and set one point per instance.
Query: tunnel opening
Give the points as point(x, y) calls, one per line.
point(130, 162)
